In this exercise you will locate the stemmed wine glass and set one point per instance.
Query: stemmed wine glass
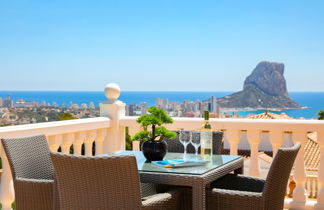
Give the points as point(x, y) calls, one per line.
point(195, 140)
point(184, 138)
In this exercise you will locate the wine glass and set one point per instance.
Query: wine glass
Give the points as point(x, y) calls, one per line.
point(184, 138)
point(195, 140)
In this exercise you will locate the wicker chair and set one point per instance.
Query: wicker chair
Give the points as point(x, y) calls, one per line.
point(236, 192)
point(174, 145)
point(32, 172)
point(110, 183)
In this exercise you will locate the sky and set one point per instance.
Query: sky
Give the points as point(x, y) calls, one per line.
point(160, 45)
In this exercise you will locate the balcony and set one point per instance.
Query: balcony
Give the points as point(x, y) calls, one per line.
point(108, 134)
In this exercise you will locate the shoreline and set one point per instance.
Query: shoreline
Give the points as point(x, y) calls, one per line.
point(259, 109)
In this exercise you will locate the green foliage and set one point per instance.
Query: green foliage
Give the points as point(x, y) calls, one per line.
point(66, 116)
point(321, 115)
point(128, 139)
point(152, 126)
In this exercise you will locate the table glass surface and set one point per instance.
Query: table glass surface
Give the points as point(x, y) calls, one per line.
point(144, 166)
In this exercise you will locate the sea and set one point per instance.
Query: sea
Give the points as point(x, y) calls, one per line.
point(314, 101)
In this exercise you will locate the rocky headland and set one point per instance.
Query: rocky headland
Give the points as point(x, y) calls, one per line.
point(265, 87)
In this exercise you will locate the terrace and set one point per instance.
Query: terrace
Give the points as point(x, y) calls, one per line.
point(108, 134)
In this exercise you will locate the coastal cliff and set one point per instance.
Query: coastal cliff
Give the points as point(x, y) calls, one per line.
point(265, 87)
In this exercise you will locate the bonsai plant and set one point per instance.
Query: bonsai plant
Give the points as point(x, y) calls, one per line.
point(153, 133)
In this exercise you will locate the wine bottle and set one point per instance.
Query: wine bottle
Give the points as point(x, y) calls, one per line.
point(206, 138)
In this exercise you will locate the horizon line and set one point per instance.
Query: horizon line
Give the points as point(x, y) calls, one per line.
point(315, 91)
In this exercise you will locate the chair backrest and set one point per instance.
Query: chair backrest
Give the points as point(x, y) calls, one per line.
point(174, 145)
point(97, 182)
point(29, 157)
point(277, 179)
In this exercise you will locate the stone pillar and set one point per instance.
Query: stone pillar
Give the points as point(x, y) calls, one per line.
point(254, 138)
point(276, 139)
point(101, 134)
point(6, 185)
point(67, 142)
point(233, 137)
point(300, 195)
point(78, 141)
point(115, 110)
point(320, 196)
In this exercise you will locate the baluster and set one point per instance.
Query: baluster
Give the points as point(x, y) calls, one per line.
point(7, 195)
point(311, 187)
point(54, 142)
point(300, 195)
point(131, 132)
point(320, 180)
point(101, 134)
point(233, 137)
point(316, 188)
point(68, 138)
point(91, 135)
point(276, 139)
point(78, 141)
point(136, 145)
point(254, 138)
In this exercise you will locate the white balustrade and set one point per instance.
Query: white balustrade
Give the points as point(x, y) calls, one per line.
point(254, 139)
point(300, 194)
point(277, 131)
point(276, 138)
point(78, 141)
point(108, 133)
point(320, 196)
point(90, 138)
point(68, 138)
point(54, 142)
point(7, 195)
point(59, 134)
point(114, 110)
point(101, 135)
point(233, 137)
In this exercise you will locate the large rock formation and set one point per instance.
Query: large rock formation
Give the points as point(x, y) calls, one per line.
point(264, 88)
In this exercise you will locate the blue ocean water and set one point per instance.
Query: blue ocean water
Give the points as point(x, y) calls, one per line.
point(313, 100)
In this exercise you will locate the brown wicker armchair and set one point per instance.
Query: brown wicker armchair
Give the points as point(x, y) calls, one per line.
point(32, 172)
point(236, 192)
point(105, 183)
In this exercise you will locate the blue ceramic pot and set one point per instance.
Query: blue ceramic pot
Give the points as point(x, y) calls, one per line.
point(154, 150)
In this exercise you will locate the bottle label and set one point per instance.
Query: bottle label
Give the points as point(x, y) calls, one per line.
point(206, 139)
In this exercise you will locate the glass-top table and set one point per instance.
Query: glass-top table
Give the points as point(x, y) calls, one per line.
point(143, 165)
point(196, 177)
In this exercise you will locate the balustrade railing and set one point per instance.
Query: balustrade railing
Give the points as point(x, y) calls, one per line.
point(108, 133)
point(276, 131)
point(63, 135)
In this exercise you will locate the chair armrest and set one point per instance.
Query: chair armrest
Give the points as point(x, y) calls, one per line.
point(37, 194)
point(167, 200)
point(233, 199)
point(34, 181)
point(240, 183)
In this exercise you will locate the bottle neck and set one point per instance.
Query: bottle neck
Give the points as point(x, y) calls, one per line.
point(206, 115)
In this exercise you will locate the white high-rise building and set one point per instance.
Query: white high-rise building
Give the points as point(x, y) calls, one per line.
point(84, 106)
point(1, 102)
point(161, 103)
point(8, 102)
point(213, 102)
point(143, 108)
point(91, 105)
